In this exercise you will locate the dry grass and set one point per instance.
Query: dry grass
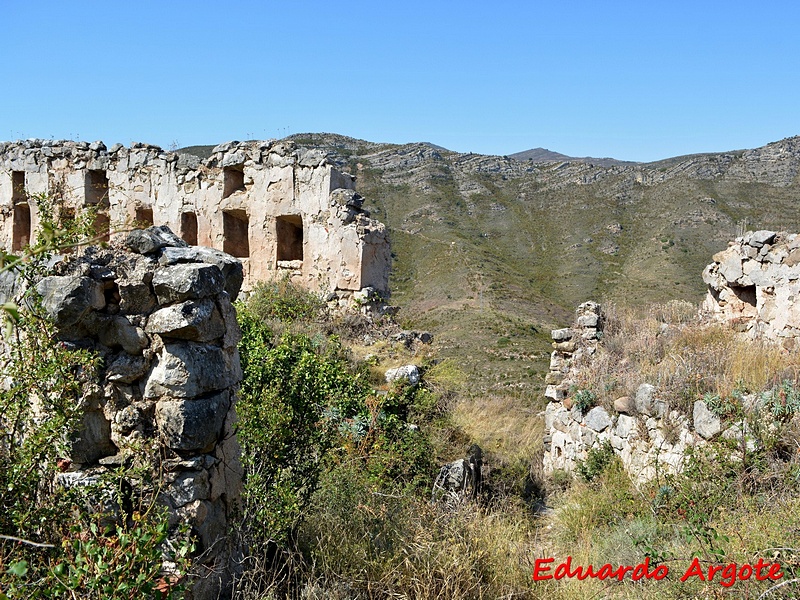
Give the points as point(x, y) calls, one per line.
point(667, 346)
point(403, 548)
point(500, 424)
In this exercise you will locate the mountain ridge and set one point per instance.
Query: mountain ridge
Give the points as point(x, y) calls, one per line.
point(492, 252)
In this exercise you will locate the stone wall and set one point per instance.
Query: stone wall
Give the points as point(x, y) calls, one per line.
point(278, 208)
point(647, 435)
point(159, 314)
point(754, 285)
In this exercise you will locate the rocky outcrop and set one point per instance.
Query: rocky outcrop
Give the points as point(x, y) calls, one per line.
point(281, 210)
point(754, 285)
point(461, 479)
point(167, 333)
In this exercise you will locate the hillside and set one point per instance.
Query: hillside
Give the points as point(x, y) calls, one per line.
point(491, 252)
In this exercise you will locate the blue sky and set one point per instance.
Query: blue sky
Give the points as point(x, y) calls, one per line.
point(631, 80)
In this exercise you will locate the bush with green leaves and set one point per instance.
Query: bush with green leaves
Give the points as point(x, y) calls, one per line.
point(283, 301)
point(294, 395)
point(304, 407)
point(584, 400)
point(597, 461)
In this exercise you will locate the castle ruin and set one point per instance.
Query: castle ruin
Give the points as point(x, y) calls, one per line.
point(279, 209)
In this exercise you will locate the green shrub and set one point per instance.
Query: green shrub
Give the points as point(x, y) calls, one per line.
point(284, 301)
point(294, 396)
point(597, 461)
point(584, 400)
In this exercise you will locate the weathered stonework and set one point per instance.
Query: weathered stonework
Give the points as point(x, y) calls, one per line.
point(754, 285)
point(161, 318)
point(643, 431)
point(278, 208)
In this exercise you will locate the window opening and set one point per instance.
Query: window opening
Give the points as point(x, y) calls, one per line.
point(232, 180)
point(96, 186)
point(189, 228)
point(144, 216)
point(236, 231)
point(21, 226)
point(289, 229)
point(18, 186)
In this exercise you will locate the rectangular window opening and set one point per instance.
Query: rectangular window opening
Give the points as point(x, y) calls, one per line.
point(144, 216)
point(96, 186)
point(21, 226)
point(289, 233)
point(232, 180)
point(18, 186)
point(102, 225)
point(189, 228)
point(236, 232)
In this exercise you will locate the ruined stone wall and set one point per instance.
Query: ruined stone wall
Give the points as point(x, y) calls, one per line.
point(159, 314)
point(647, 435)
point(278, 208)
point(754, 285)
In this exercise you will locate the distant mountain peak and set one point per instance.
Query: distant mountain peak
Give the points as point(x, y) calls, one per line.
point(544, 155)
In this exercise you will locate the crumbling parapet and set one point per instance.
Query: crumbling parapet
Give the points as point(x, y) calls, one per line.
point(279, 209)
point(643, 431)
point(754, 285)
point(159, 313)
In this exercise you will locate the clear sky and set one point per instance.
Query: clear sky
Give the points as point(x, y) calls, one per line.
point(632, 80)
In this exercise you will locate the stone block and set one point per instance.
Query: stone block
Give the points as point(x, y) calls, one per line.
point(125, 368)
point(188, 369)
point(230, 267)
point(561, 335)
point(67, 299)
point(192, 281)
point(192, 425)
point(644, 399)
point(146, 241)
point(759, 238)
point(407, 373)
point(625, 405)
point(597, 419)
point(626, 426)
point(706, 423)
point(194, 320)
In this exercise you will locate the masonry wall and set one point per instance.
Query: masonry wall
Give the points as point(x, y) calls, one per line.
point(235, 201)
point(160, 315)
point(754, 285)
point(649, 436)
